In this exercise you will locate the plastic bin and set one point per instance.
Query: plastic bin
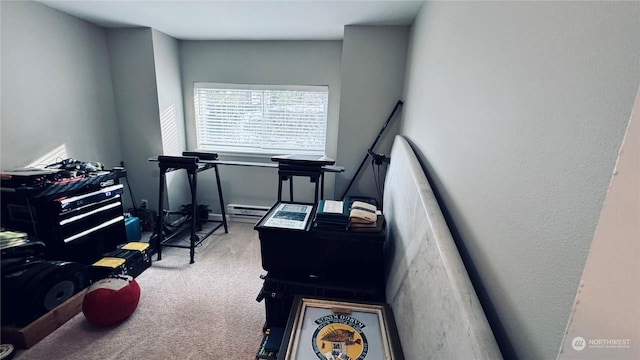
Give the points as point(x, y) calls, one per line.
point(133, 228)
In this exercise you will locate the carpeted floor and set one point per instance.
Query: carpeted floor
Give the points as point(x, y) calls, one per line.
point(205, 310)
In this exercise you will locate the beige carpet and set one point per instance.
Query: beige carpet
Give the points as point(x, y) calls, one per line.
point(205, 310)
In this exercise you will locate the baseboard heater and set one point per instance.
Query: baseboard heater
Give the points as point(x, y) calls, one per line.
point(246, 213)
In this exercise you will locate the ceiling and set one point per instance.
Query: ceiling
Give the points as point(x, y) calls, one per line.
point(242, 20)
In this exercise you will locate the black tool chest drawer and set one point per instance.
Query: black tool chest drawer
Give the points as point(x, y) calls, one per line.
point(88, 225)
point(80, 216)
point(77, 221)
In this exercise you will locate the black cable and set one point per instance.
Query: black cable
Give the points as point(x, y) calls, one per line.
point(380, 186)
point(133, 200)
point(366, 156)
point(376, 180)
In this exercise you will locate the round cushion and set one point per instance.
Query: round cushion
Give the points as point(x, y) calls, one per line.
point(111, 300)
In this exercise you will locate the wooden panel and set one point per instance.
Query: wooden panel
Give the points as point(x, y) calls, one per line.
point(31, 334)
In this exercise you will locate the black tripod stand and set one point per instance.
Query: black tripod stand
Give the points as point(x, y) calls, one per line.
point(370, 150)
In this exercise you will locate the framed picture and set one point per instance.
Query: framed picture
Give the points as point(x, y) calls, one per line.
point(340, 330)
point(288, 215)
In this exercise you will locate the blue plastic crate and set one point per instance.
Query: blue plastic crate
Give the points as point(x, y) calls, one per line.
point(134, 232)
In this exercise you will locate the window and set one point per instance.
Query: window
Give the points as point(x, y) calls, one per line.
point(257, 119)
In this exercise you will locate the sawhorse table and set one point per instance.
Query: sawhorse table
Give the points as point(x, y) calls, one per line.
point(312, 166)
point(190, 161)
point(194, 162)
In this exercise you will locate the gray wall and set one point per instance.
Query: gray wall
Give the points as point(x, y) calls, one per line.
point(146, 77)
point(136, 93)
point(373, 67)
point(167, 71)
point(125, 79)
point(63, 64)
point(517, 111)
point(260, 62)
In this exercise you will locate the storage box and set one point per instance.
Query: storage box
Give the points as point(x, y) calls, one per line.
point(285, 235)
point(279, 293)
point(338, 254)
point(31, 334)
point(323, 253)
point(130, 259)
point(134, 230)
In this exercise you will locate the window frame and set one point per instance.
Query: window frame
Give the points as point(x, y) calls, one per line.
point(260, 151)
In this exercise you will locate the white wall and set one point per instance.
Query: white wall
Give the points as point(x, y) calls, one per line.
point(62, 63)
point(517, 110)
point(260, 62)
point(373, 67)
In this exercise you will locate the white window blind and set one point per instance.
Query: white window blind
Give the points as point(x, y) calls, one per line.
point(261, 119)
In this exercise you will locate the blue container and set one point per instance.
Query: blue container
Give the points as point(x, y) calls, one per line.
point(134, 232)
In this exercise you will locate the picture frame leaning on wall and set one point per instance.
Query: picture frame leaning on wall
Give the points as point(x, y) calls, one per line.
point(340, 330)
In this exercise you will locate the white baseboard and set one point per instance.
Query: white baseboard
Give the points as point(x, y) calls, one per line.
point(235, 218)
